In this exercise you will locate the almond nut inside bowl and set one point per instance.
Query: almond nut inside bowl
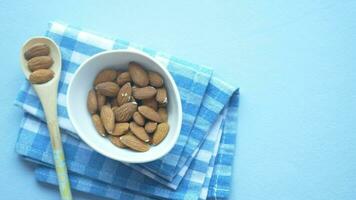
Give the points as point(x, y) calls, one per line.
point(82, 118)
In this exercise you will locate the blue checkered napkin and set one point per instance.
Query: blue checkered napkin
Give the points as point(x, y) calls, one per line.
point(192, 81)
point(76, 46)
point(216, 184)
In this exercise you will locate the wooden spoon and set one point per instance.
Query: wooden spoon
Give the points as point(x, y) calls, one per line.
point(47, 93)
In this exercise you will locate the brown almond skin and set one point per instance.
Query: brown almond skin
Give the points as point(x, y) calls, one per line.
point(161, 96)
point(116, 141)
point(107, 118)
point(106, 75)
point(163, 114)
point(41, 76)
point(139, 132)
point(138, 118)
point(160, 133)
point(101, 99)
point(114, 108)
point(124, 94)
point(121, 129)
point(39, 62)
point(108, 89)
point(144, 93)
point(150, 103)
point(98, 124)
point(134, 143)
point(37, 50)
point(125, 112)
point(138, 75)
point(149, 113)
point(123, 78)
point(155, 79)
point(150, 127)
point(92, 102)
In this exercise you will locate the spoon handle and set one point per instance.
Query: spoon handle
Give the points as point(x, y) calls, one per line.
point(58, 157)
point(49, 102)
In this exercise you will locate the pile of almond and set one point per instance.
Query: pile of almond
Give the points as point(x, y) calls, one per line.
point(39, 63)
point(129, 107)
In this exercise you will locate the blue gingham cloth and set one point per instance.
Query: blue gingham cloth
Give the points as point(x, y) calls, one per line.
point(199, 166)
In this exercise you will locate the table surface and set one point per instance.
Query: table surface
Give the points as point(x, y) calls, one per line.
point(294, 61)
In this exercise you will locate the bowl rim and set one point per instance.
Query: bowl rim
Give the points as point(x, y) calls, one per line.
point(175, 91)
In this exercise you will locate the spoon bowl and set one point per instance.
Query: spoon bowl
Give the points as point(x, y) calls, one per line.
point(54, 53)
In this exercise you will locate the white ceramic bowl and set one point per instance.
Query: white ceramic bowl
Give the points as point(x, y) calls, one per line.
point(82, 82)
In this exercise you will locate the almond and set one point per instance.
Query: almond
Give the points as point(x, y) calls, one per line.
point(125, 112)
point(150, 127)
point(108, 89)
point(138, 74)
point(150, 103)
point(37, 50)
point(116, 141)
point(161, 96)
point(134, 143)
point(92, 102)
point(139, 132)
point(101, 99)
point(124, 94)
point(123, 78)
point(160, 133)
point(120, 129)
point(149, 113)
point(155, 79)
point(39, 62)
point(106, 75)
point(98, 124)
point(114, 108)
point(163, 114)
point(138, 118)
point(41, 76)
point(144, 93)
point(108, 118)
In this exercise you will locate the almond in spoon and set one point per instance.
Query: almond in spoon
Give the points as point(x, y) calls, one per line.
point(37, 50)
point(41, 76)
point(39, 62)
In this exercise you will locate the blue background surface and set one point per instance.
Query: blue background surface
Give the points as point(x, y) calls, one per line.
point(294, 61)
